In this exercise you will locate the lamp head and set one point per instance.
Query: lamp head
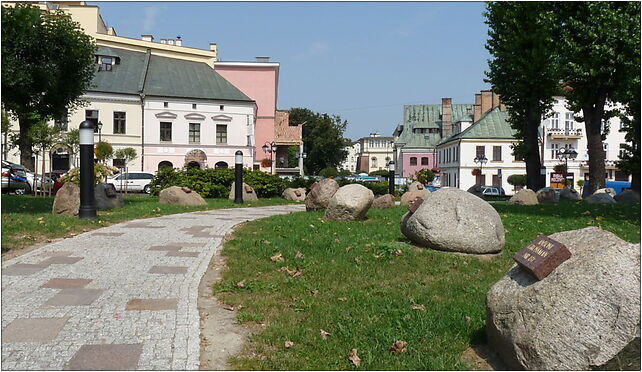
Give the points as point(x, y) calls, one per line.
point(265, 148)
point(238, 157)
point(86, 133)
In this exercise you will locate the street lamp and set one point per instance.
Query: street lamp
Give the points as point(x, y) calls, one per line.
point(301, 156)
point(566, 154)
point(391, 178)
point(271, 148)
point(87, 208)
point(481, 159)
point(100, 130)
point(238, 183)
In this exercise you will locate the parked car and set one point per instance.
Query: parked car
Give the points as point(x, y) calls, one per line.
point(134, 181)
point(493, 190)
point(14, 180)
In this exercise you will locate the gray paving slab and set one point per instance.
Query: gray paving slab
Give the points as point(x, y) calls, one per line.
point(110, 269)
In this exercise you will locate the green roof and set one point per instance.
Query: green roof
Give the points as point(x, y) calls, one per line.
point(426, 117)
point(493, 125)
point(153, 75)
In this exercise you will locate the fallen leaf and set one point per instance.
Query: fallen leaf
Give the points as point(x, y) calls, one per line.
point(40, 218)
point(369, 245)
point(277, 257)
point(240, 284)
point(41, 222)
point(468, 319)
point(312, 226)
point(292, 272)
point(228, 307)
point(348, 248)
point(357, 260)
point(600, 218)
point(314, 292)
point(398, 252)
point(337, 241)
point(415, 306)
point(266, 242)
point(586, 213)
point(342, 299)
point(299, 255)
point(354, 358)
point(289, 344)
point(325, 334)
point(398, 347)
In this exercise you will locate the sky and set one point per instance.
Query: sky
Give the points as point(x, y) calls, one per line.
point(360, 60)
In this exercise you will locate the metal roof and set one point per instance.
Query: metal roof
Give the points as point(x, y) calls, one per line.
point(427, 117)
point(493, 125)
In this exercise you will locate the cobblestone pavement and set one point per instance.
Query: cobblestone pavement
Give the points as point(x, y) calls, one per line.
point(121, 297)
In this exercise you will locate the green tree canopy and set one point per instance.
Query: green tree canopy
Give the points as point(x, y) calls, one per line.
point(103, 151)
point(47, 63)
point(322, 137)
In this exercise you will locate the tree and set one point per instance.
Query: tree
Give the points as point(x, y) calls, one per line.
point(424, 176)
point(103, 151)
point(323, 138)
point(42, 136)
point(9, 137)
point(523, 72)
point(72, 140)
point(47, 63)
point(127, 154)
point(598, 45)
point(516, 180)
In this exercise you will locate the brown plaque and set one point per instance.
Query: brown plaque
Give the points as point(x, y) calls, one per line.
point(297, 192)
point(420, 187)
point(248, 189)
point(542, 256)
point(414, 205)
point(186, 190)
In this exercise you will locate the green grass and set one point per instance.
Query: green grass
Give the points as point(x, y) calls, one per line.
point(381, 275)
point(28, 220)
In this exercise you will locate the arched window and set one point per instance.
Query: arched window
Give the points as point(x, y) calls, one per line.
point(221, 164)
point(413, 161)
point(193, 164)
point(424, 160)
point(374, 161)
point(165, 164)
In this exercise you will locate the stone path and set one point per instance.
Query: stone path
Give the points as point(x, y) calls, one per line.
point(121, 297)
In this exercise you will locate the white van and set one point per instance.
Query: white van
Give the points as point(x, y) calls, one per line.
point(134, 181)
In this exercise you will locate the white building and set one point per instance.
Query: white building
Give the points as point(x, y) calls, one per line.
point(375, 153)
point(350, 162)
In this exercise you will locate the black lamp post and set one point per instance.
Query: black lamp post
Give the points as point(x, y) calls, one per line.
point(238, 182)
point(565, 154)
point(271, 148)
point(100, 130)
point(481, 159)
point(391, 178)
point(87, 208)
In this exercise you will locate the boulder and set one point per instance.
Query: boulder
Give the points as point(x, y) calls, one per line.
point(180, 196)
point(570, 194)
point(409, 196)
point(524, 197)
point(606, 190)
point(600, 198)
point(547, 195)
point(249, 194)
point(67, 200)
point(320, 194)
point(457, 221)
point(349, 203)
point(106, 197)
point(416, 186)
point(578, 317)
point(476, 190)
point(383, 201)
point(294, 194)
point(627, 196)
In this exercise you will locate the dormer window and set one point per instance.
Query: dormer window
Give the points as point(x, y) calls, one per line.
point(105, 63)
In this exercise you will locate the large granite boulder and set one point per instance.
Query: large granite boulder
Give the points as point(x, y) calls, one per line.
point(600, 198)
point(580, 316)
point(410, 196)
point(476, 190)
point(349, 203)
point(384, 201)
point(627, 196)
point(547, 195)
point(416, 186)
point(320, 194)
point(106, 197)
point(606, 190)
point(457, 221)
point(67, 200)
point(524, 197)
point(570, 194)
point(177, 195)
point(249, 194)
point(294, 194)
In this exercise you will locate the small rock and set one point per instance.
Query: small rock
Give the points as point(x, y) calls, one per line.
point(176, 196)
point(524, 197)
point(601, 198)
point(627, 196)
point(547, 195)
point(320, 194)
point(349, 203)
point(384, 201)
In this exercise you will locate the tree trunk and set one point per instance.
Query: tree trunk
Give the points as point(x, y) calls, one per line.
point(635, 182)
point(42, 184)
point(533, 161)
point(24, 143)
point(593, 125)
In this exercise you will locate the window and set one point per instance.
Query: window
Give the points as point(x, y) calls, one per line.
point(555, 120)
point(165, 164)
point(92, 115)
point(166, 104)
point(119, 122)
point(194, 133)
point(569, 121)
point(433, 130)
point(480, 150)
point(413, 161)
point(424, 160)
point(496, 181)
point(497, 153)
point(605, 148)
point(105, 63)
point(193, 106)
point(554, 150)
point(374, 162)
point(118, 163)
point(221, 107)
point(221, 134)
point(165, 131)
point(221, 164)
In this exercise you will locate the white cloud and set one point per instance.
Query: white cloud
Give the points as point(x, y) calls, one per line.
point(151, 15)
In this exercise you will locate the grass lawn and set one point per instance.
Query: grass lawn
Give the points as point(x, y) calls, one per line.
point(363, 283)
point(28, 220)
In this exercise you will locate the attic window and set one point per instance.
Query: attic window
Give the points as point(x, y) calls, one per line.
point(105, 63)
point(166, 104)
point(222, 107)
point(193, 106)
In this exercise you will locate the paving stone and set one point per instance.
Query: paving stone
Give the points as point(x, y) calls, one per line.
point(106, 357)
point(22, 269)
point(62, 283)
point(165, 248)
point(74, 297)
point(60, 260)
point(182, 254)
point(33, 329)
point(107, 234)
point(168, 270)
point(152, 304)
point(55, 254)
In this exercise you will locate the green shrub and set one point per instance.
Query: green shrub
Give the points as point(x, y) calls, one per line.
point(424, 176)
point(101, 171)
point(264, 184)
point(344, 173)
point(328, 172)
point(301, 182)
point(380, 172)
point(517, 180)
point(378, 188)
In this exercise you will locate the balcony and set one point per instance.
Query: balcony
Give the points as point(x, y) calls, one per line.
point(558, 133)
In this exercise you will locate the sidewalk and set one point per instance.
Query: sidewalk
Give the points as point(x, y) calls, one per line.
point(120, 297)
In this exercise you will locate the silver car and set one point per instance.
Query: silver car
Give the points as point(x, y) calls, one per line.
point(133, 181)
point(14, 180)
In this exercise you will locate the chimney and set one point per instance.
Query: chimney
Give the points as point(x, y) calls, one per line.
point(149, 38)
point(496, 100)
point(486, 101)
point(213, 47)
point(478, 98)
point(263, 59)
point(477, 111)
point(170, 41)
point(179, 42)
point(446, 117)
point(163, 41)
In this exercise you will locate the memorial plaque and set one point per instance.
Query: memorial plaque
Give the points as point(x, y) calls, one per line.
point(110, 190)
point(542, 256)
point(420, 187)
point(414, 205)
point(186, 190)
point(297, 192)
point(248, 189)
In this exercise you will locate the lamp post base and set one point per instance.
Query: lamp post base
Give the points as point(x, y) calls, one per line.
point(85, 213)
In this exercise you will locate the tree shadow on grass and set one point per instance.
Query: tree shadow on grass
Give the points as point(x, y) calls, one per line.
point(575, 209)
point(26, 204)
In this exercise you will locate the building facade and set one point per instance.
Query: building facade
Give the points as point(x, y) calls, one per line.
point(375, 153)
point(350, 162)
